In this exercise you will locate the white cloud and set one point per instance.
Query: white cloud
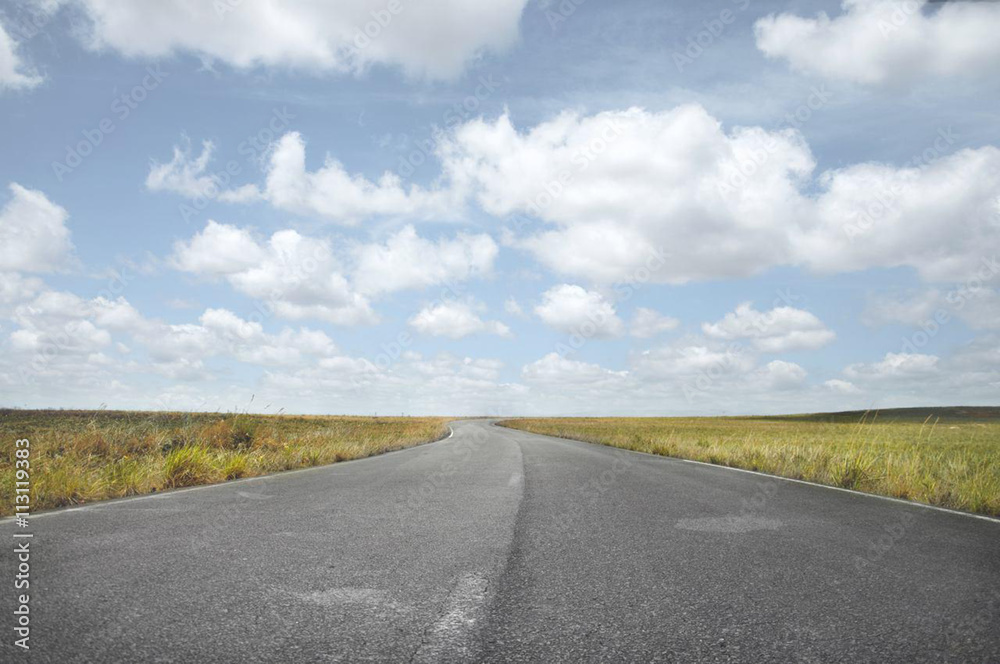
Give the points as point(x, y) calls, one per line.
point(554, 369)
point(780, 375)
point(181, 349)
point(776, 331)
point(436, 39)
point(185, 175)
point(666, 197)
point(455, 320)
point(33, 233)
point(941, 219)
point(217, 250)
point(970, 374)
point(300, 277)
point(626, 190)
point(16, 288)
point(691, 358)
point(574, 310)
point(297, 277)
point(406, 260)
point(888, 42)
point(14, 75)
point(647, 323)
point(336, 195)
point(512, 307)
point(895, 365)
point(841, 386)
point(671, 197)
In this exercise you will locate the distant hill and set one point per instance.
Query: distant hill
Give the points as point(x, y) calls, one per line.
point(946, 413)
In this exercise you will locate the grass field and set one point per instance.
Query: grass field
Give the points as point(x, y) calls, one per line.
point(941, 456)
point(82, 456)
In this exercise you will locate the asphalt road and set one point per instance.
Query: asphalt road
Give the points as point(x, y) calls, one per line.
point(502, 546)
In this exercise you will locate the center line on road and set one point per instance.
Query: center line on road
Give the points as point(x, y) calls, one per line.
point(451, 637)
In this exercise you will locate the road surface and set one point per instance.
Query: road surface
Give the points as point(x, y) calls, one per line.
point(502, 546)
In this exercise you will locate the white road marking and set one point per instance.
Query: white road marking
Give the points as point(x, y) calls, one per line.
point(911, 503)
point(451, 637)
point(103, 504)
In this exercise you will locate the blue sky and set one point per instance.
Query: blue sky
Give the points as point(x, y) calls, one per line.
point(555, 208)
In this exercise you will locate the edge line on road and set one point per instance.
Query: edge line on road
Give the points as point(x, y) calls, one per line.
point(901, 501)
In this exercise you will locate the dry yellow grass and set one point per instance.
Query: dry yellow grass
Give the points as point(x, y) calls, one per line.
point(948, 457)
point(83, 456)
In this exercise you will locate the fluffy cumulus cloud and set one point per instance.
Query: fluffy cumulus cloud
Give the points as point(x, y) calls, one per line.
point(455, 320)
point(970, 373)
point(776, 331)
point(60, 336)
point(556, 370)
point(575, 310)
point(330, 193)
point(666, 197)
point(781, 375)
point(435, 41)
point(692, 358)
point(33, 233)
point(672, 197)
point(301, 277)
point(940, 218)
point(647, 323)
point(14, 73)
point(333, 193)
point(405, 260)
point(632, 191)
point(839, 386)
point(295, 276)
point(218, 250)
point(888, 42)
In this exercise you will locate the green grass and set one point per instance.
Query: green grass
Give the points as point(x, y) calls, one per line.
point(83, 456)
point(943, 456)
